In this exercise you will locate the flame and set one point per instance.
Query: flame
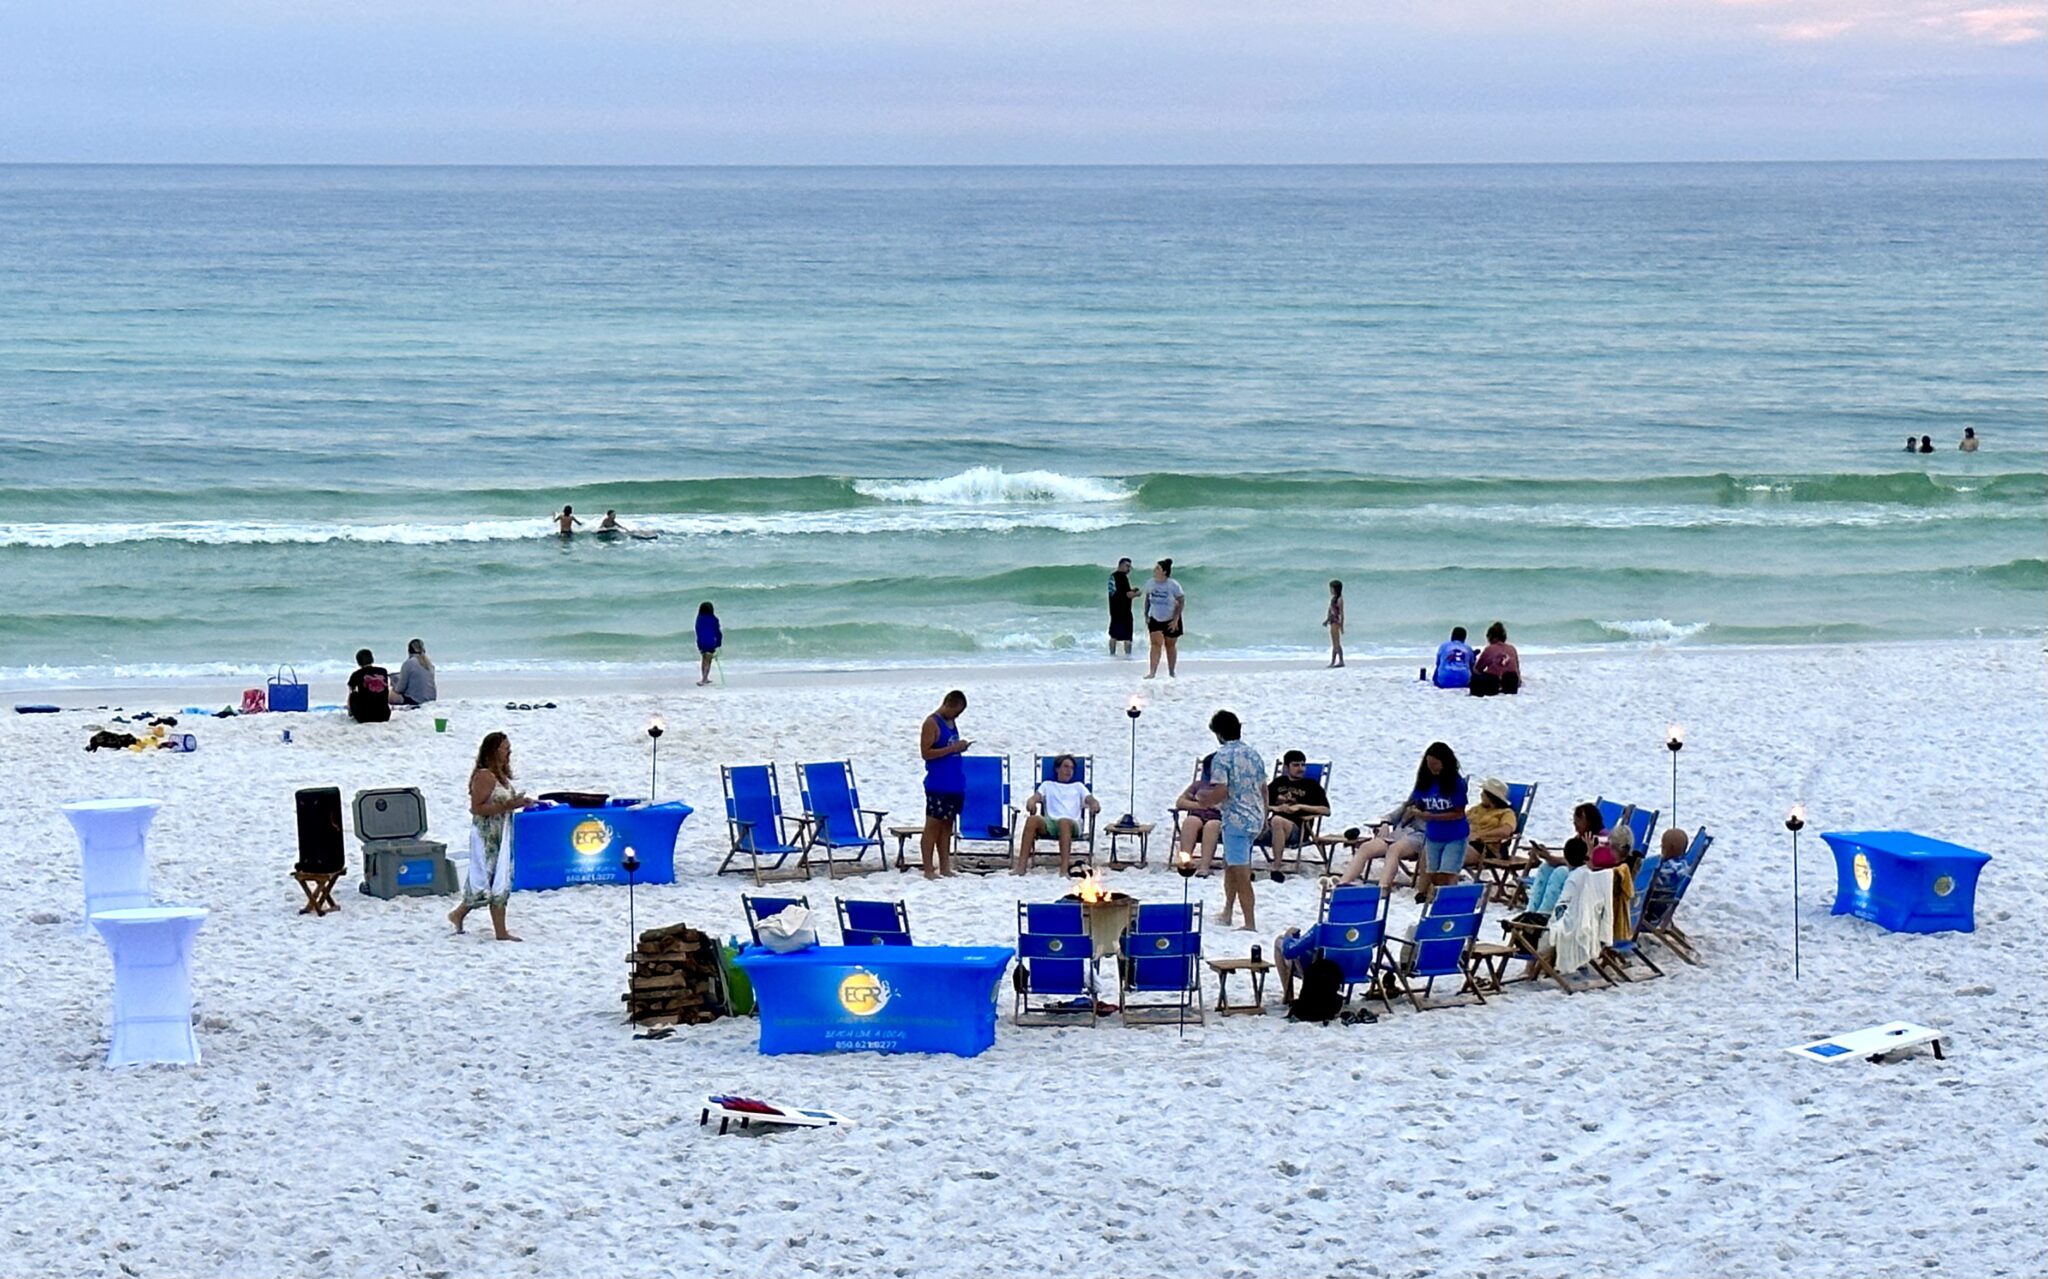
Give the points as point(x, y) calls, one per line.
point(1089, 889)
point(1798, 813)
point(1674, 732)
point(1135, 705)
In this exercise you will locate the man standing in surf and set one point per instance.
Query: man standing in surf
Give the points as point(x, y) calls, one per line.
point(1121, 593)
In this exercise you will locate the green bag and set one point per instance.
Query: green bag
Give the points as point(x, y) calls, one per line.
point(739, 992)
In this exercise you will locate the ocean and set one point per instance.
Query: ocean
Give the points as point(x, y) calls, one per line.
point(252, 416)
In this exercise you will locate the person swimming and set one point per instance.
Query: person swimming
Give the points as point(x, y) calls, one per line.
point(566, 522)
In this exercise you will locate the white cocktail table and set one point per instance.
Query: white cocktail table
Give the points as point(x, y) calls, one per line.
point(113, 845)
point(152, 950)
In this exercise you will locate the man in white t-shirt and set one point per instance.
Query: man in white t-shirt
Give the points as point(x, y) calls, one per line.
point(1059, 807)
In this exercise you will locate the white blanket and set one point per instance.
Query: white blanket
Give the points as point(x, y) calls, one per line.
point(477, 869)
point(1583, 922)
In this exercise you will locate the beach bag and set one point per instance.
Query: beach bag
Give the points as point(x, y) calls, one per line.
point(252, 701)
point(288, 694)
point(788, 930)
point(1322, 992)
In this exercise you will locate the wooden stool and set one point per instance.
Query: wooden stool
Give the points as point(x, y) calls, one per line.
point(319, 891)
point(1258, 968)
point(1140, 831)
point(903, 835)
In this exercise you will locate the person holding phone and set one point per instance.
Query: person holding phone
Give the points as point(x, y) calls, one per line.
point(945, 783)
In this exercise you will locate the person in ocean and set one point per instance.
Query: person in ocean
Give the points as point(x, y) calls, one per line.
point(1912, 445)
point(566, 522)
point(1968, 444)
point(610, 523)
point(1121, 593)
point(710, 637)
point(1927, 444)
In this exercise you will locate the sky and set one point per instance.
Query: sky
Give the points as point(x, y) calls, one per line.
point(1019, 81)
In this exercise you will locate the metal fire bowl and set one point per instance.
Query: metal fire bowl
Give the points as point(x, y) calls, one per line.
point(1107, 920)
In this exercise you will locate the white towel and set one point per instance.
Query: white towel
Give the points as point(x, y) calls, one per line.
point(1582, 925)
point(477, 869)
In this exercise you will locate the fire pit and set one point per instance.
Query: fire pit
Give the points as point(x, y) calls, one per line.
point(1108, 913)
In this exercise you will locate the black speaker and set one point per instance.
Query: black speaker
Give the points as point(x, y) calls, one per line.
point(320, 850)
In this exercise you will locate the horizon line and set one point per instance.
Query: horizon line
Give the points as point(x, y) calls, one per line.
point(958, 164)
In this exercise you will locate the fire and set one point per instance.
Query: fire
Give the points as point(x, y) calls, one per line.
point(1089, 888)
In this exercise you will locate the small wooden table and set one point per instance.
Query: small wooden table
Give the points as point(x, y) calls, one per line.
point(319, 890)
point(1258, 968)
point(1140, 831)
point(903, 835)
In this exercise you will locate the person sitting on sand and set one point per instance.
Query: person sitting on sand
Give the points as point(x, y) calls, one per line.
point(1453, 662)
point(1498, 668)
point(1058, 807)
point(1968, 444)
point(414, 685)
point(710, 636)
point(492, 801)
point(1291, 799)
point(1201, 823)
point(566, 522)
point(369, 690)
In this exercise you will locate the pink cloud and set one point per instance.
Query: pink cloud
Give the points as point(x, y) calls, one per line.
point(2015, 24)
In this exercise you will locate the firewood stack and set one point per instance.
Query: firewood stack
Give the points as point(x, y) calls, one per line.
point(675, 978)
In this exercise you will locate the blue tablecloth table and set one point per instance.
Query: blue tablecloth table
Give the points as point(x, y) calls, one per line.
point(554, 845)
point(892, 999)
point(1904, 882)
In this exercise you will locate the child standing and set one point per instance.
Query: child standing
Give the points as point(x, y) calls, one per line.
point(709, 638)
point(1334, 619)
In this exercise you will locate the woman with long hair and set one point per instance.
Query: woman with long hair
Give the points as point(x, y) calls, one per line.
point(1439, 800)
point(415, 683)
point(1334, 621)
point(492, 801)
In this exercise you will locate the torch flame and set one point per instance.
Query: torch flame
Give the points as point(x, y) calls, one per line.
point(657, 725)
point(1675, 732)
point(1089, 889)
point(1798, 812)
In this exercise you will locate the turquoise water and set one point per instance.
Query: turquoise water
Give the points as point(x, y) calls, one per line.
point(250, 415)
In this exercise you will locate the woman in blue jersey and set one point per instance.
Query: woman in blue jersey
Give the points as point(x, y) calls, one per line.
point(945, 783)
point(1439, 801)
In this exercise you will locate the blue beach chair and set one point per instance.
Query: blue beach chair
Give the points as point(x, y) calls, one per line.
point(1441, 945)
point(757, 827)
point(1501, 869)
point(982, 837)
point(1042, 767)
point(759, 908)
point(838, 824)
point(1619, 953)
point(1350, 926)
point(1288, 860)
point(1642, 822)
point(1667, 890)
point(1162, 955)
point(870, 923)
point(1055, 974)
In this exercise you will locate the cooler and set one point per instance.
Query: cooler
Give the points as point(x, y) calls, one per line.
point(396, 861)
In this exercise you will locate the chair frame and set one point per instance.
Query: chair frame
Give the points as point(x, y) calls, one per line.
point(1503, 873)
point(1140, 944)
point(1084, 842)
point(867, 825)
point(1461, 926)
point(1029, 943)
point(740, 832)
point(851, 935)
point(1306, 829)
point(1614, 958)
point(983, 860)
point(1667, 933)
point(1372, 946)
point(748, 906)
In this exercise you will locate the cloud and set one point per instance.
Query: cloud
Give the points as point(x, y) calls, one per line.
point(1819, 21)
point(2014, 24)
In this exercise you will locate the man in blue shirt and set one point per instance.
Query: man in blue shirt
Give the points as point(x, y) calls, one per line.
point(1453, 661)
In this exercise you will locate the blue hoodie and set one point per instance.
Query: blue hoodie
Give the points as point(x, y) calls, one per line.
point(1453, 665)
point(709, 637)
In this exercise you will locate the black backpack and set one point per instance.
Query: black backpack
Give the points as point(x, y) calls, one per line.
point(1322, 992)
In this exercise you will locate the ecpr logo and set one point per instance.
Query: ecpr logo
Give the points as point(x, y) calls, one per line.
point(862, 993)
point(590, 837)
point(1860, 868)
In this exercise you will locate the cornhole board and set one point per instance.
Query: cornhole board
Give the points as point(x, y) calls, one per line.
point(1872, 1043)
point(751, 1111)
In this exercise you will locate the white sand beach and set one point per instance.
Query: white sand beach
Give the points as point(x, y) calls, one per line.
point(379, 1096)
